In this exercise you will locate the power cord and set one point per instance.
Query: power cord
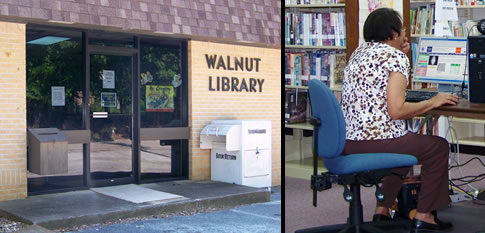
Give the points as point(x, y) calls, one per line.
point(452, 132)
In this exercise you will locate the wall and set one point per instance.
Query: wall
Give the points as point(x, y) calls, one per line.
point(206, 105)
point(13, 171)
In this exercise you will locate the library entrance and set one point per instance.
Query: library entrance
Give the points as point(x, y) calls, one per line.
point(111, 119)
point(104, 108)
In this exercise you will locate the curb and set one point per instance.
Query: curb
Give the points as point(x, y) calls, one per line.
point(35, 229)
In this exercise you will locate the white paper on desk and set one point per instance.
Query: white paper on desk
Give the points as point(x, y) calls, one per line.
point(442, 28)
point(446, 10)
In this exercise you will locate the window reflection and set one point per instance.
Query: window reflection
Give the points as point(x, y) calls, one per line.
point(54, 80)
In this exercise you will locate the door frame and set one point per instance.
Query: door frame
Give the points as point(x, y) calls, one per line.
point(89, 50)
point(180, 164)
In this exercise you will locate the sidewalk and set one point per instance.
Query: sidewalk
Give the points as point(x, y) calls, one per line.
point(54, 211)
point(254, 218)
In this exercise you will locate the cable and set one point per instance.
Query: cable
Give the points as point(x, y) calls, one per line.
point(452, 131)
point(463, 191)
point(475, 158)
point(474, 179)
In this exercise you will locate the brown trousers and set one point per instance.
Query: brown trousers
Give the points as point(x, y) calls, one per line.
point(432, 154)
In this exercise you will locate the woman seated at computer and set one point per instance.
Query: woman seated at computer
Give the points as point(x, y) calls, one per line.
point(374, 106)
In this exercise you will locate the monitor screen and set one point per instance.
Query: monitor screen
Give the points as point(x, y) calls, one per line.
point(441, 60)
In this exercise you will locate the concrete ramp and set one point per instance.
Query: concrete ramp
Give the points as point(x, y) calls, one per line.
point(137, 194)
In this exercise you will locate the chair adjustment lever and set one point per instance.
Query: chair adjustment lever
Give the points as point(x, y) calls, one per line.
point(347, 194)
point(379, 193)
point(323, 182)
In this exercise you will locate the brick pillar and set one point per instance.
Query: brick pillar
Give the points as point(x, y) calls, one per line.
point(13, 153)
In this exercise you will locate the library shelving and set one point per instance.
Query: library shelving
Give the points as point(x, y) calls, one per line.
point(315, 46)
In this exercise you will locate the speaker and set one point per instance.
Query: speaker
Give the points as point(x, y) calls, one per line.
point(476, 69)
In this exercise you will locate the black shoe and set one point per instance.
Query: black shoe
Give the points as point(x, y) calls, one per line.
point(422, 226)
point(380, 217)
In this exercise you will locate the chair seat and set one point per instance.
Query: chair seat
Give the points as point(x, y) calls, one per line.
point(355, 163)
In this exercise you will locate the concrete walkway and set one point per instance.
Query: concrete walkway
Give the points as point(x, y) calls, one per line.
point(54, 211)
point(254, 218)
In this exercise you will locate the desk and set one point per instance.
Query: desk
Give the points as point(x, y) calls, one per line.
point(302, 126)
point(463, 109)
point(466, 112)
point(305, 125)
point(303, 167)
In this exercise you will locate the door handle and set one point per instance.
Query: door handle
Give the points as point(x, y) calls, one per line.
point(100, 114)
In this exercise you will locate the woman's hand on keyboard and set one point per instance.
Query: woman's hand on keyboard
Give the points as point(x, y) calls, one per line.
point(444, 99)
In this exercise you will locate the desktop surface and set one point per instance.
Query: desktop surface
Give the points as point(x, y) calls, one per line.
point(464, 108)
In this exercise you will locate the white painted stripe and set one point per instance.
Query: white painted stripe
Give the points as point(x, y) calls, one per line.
point(256, 215)
point(270, 203)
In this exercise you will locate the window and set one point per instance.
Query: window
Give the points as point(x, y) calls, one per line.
point(162, 87)
point(54, 79)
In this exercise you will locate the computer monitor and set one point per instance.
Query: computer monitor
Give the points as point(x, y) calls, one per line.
point(441, 60)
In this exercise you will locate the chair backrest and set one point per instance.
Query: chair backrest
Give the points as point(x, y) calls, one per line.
point(331, 133)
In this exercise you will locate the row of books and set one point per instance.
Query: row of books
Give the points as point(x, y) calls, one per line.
point(309, 2)
point(315, 28)
point(422, 20)
point(463, 29)
point(301, 67)
point(470, 2)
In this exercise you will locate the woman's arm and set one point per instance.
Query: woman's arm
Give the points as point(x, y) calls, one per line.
point(399, 109)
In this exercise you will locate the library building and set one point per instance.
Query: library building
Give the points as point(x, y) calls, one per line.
point(387, 94)
point(109, 92)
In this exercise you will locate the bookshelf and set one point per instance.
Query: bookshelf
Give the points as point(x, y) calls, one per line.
point(469, 131)
point(315, 46)
point(315, 5)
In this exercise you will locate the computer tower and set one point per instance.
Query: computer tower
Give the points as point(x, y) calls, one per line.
point(476, 69)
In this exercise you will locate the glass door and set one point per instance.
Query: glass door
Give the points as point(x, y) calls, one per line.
point(111, 119)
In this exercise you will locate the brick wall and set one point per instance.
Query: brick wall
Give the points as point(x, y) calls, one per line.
point(13, 171)
point(206, 105)
point(247, 20)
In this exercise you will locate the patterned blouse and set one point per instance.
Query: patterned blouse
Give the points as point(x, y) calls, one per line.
point(364, 92)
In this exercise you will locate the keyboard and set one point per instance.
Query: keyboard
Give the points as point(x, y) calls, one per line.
point(417, 95)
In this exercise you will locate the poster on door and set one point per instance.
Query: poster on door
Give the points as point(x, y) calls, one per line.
point(108, 99)
point(159, 98)
point(109, 79)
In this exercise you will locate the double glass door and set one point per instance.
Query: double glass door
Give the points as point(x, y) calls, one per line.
point(111, 119)
point(119, 100)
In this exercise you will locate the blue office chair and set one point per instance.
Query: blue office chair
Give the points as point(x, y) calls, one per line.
point(348, 170)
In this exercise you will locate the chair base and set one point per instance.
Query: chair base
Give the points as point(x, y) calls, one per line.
point(366, 227)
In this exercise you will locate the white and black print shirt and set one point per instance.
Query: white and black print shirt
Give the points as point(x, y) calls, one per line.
point(364, 92)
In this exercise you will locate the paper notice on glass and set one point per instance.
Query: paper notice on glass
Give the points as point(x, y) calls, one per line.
point(58, 96)
point(108, 99)
point(108, 79)
point(442, 28)
point(446, 10)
